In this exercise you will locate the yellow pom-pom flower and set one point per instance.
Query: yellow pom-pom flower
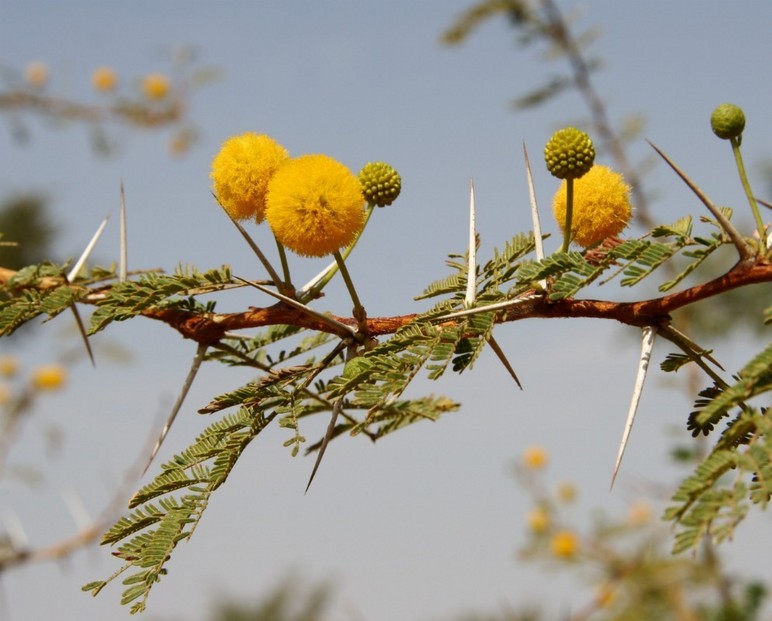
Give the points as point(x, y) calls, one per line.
point(315, 205)
point(49, 377)
point(9, 366)
point(566, 492)
point(535, 458)
point(241, 172)
point(601, 206)
point(565, 544)
point(155, 86)
point(36, 74)
point(104, 79)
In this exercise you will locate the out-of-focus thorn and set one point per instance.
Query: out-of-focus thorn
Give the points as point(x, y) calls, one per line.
point(77, 510)
point(197, 360)
point(15, 529)
point(647, 345)
point(83, 334)
point(500, 353)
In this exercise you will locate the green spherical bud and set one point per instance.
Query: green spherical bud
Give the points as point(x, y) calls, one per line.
point(727, 121)
point(381, 184)
point(569, 153)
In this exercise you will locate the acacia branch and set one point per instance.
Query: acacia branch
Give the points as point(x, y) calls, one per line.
point(208, 328)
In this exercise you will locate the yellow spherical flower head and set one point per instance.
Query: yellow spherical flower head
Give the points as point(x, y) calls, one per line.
point(36, 74)
point(49, 377)
point(315, 205)
point(565, 544)
point(601, 206)
point(155, 86)
point(8, 366)
point(535, 458)
point(566, 492)
point(241, 172)
point(104, 79)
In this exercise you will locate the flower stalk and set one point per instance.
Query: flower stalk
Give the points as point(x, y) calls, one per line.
point(738, 158)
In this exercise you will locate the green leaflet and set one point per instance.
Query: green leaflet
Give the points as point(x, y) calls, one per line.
point(20, 302)
point(130, 298)
point(154, 529)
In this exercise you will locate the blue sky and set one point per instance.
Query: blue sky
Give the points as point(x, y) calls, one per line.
point(427, 523)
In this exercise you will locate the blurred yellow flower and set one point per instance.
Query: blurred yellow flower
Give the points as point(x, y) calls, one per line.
point(241, 172)
point(601, 206)
point(565, 544)
point(179, 143)
point(104, 79)
point(539, 520)
point(605, 595)
point(535, 458)
point(315, 205)
point(8, 366)
point(155, 86)
point(36, 74)
point(566, 492)
point(49, 377)
point(639, 514)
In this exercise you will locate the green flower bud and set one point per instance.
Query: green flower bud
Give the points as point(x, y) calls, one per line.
point(569, 153)
point(381, 184)
point(727, 121)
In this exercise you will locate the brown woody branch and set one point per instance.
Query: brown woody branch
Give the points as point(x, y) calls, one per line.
point(211, 327)
point(652, 312)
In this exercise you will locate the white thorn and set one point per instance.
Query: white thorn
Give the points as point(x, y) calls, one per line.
point(471, 275)
point(123, 265)
point(534, 213)
point(312, 283)
point(489, 307)
point(299, 305)
point(647, 344)
point(15, 529)
point(77, 510)
point(87, 252)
